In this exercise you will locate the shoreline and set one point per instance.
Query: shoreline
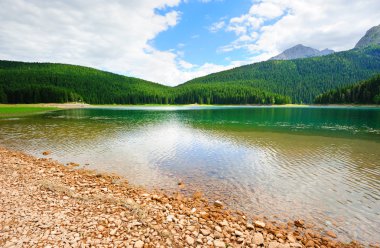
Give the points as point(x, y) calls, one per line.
point(46, 203)
point(58, 106)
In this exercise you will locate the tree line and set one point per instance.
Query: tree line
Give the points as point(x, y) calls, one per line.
point(364, 92)
point(45, 82)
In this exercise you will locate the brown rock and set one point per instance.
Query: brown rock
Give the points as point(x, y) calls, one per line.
point(165, 233)
point(197, 195)
point(291, 238)
point(258, 239)
point(238, 233)
point(299, 223)
point(189, 240)
point(218, 204)
point(309, 243)
point(181, 185)
point(331, 234)
point(259, 224)
point(205, 232)
point(46, 153)
point(139, 244)
point(273, 244)
point(250, 226)
point(219, 244)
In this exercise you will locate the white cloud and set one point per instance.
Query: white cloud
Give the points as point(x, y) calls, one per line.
point(185, 65)
point(267, 10)
point(271, 26)
point(110, 35)
point(117, 35)
point(216, 26)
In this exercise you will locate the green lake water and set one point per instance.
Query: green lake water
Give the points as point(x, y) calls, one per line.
point(321, 164)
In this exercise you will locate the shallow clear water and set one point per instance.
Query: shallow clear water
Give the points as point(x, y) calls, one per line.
point(319, 164)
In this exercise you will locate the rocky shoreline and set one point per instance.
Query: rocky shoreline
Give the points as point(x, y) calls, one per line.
point(46, 204)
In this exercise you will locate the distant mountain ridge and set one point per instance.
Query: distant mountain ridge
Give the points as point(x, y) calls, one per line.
point(301, 51)
point(302, 79)
point(371, 37)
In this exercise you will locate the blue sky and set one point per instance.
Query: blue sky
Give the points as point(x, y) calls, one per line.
point(192, 35)
point(173, 41)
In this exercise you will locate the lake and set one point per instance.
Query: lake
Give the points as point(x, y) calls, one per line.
point(321, 164)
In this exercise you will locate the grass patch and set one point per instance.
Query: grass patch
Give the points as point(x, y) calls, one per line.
point(7, 110)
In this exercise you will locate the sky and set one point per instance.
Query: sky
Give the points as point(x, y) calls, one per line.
point(173, 41)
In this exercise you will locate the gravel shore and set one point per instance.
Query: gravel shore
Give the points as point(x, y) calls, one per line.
point(46, 204)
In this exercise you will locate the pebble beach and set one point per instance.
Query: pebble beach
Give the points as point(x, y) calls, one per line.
point(47, 204)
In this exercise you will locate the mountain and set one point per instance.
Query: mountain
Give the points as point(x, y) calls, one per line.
point(302, 79)
point(372, 37)
point(301, 51)
point(46, 82)
point(364, 92)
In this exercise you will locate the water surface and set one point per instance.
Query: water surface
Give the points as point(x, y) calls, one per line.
point(319, 164)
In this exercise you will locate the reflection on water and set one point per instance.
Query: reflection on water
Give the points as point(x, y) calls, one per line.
point(321, 164)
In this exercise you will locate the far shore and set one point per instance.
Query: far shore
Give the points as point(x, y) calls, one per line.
point(19, 110)
point(85, 105)
point(44, 203)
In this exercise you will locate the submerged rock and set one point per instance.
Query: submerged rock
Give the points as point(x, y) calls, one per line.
point(331, 234)
point(218, 203)
point(299, 223)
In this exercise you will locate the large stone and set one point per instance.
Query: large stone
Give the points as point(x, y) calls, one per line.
point(273, 244)
point(295, 245)
point(170, 218)
point(291, 238)
point(258, 239)
point(189, 240)
point(299, 223)
point(139, 244)
point(310, 243)
point(113, 232)
point(283, 246)
point(331, 234)
point(219, 244)
point(165, 233)
point(223, 223)
point(250, 226)
point(238, 233)
point(259, 224)
point(218, 203)
point(205, 232)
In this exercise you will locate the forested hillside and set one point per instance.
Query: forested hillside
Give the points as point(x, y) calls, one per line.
point(365, 92)
point(45, 82)
point(302, 79)
point(226, 93)
point(269, 82)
